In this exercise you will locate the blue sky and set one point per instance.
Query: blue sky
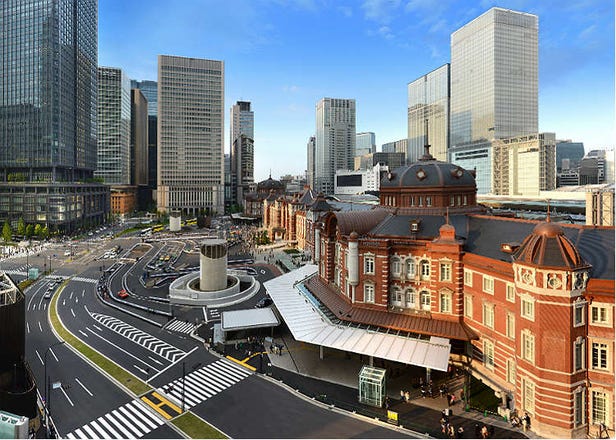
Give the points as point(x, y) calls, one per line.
point(284, 55)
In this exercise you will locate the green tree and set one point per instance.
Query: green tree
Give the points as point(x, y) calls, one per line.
point(21, 227)
point(7, 232)
point(37, 230)
point(45, 232)
point(29, 231)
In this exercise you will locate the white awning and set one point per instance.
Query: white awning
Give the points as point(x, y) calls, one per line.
point(308, 325)
point(248, 318)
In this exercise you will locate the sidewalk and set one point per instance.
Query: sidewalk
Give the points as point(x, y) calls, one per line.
point(334, 380)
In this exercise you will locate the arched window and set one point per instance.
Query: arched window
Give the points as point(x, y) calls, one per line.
point(426, 300)
point(425, 269)
point(396, 267)
point(410, 299)
point(410, 268)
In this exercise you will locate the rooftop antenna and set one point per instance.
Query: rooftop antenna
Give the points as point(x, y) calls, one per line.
point(270, 173)
point(426, 155)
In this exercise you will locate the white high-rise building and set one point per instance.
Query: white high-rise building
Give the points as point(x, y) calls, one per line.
point(494, 83)
point(190, 134)
point(335, 141)
point(242, 149)
point(365, 143)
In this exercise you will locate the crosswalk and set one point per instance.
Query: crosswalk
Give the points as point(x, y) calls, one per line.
point(135, 420)
point(206, 382)
point(15, 272)
point(132, 420)
point(146, 340)
point(180, 326)
point(213, 314)
point(84, 280)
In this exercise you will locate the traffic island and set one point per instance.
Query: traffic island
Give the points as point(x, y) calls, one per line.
point(196, 427)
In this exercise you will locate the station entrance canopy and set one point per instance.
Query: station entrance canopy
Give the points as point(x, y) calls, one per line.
point(308, 324)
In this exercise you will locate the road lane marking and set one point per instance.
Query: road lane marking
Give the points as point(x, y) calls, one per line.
point(66, 395)
point(73, 313)
point(154, 360)
point(44, 306)
point(76, 300)
point(34, 307)
point(40, 358)
point(40, 327)
point(205, 314)
point(121, 349)
point(63, 302)
point(84, 387)
point(140, 369)
point(83, 333)
point(28, 327)
point(71, 297)
point(82, 292)
point(171, 365)
point(54, 355)
point(97, 328)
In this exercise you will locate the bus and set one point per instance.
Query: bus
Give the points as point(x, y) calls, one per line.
point(158, 228)
point(146, 232)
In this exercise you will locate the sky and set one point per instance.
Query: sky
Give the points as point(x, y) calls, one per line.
point(285, 55)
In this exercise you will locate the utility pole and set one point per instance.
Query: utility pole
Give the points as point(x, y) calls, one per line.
point(183, 385)
point(47, 383)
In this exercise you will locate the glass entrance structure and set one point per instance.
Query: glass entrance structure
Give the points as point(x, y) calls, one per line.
point(372, 388)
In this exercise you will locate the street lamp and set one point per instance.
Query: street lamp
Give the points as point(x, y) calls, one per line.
point(46, 383)
point(183, 385)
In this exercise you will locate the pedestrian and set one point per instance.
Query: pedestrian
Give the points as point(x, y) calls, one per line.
point(484, 432)
point(453, 400)
point(423, 391)
point(452, 431)
point(401, 395)
point(407, 396)
point(460, 432)
point(387, 403)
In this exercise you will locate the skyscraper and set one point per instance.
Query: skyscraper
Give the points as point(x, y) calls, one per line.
point(365, 143)
point(428, 105)
point(242, 149)
point(335, 141)
point(190, 134)
point(139, 148)
point(150, 91)
point(113, 163)
point(494, 77)
point(310, 152)
point(48, 88)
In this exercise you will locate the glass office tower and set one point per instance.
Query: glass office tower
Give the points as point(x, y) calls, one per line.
point(428, 102)
point(48, 86)
point(242, 130)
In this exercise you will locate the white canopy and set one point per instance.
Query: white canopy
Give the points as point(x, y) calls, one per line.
point(248, 318)
point(308, 325)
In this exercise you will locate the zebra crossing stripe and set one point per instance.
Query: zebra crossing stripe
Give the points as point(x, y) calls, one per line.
point(211, 382)
point(204, 386)
point(221, 377)
point(113, 432)
point(143, 414)
point(180, 326)
point(70, 435)
point(231, 366)
point(98, 429)
point(89, 431)
point(128, 426)
point(79, 434)
point(231, 373)
point(133, 419)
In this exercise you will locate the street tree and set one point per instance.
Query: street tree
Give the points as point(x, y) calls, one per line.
point(29, 230)
point(7, 232)
point(21, 227)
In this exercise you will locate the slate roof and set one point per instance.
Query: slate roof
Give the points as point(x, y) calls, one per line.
point(437, 173)
point(360, 221)
point(399, 225)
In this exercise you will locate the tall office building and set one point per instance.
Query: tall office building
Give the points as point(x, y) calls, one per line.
point(400, 146)
point(139, 148)
point(190, 134)
point(335, 141)
point(365, 143)
point(428, 106)
point(150, 91)
point(310, 153)
point(494, 86)
point(113, 163)
point(48, 87)
point(242, 149)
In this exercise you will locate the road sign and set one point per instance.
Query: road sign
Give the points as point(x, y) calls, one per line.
point(56, 385)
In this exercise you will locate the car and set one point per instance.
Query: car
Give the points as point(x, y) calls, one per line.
point(67, 253)
point(123, 294)
point(58, 279)
point(49, 292)
point(263, 302)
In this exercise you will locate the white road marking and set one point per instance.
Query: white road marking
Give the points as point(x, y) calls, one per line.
point(71, 297)
point(205, 314)
point(76, 300)
point(83, 386)
point(97, 328)
point(28, 327)
point(121, 349)
point(44, 306)
point(40, 358)
point(154, 360)
point(34, 307)
point(54, 355)
point(83, 333)
point(73, 313)
point(63, 302)
point(140, 369)
point(82, 292)
point(40, 327)
point(66, 395)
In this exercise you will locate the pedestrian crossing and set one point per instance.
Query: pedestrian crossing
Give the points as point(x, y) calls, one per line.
point(139, 337)
point(180, 326)
point(135, 420)
point(15, 272)
point(132, 420)
point(206, 382)
point(213, 314)
point(84, 280)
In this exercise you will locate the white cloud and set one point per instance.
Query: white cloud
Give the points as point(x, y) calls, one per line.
point(381, 11)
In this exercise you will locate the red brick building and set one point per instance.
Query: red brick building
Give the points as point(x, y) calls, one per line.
point(528, 306)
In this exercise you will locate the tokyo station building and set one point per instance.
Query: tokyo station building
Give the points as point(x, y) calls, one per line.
point(525, 306)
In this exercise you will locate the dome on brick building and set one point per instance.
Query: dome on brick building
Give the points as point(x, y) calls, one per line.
point(548, 246)
point(270, 184)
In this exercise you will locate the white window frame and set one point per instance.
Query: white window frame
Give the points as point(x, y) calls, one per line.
point(600, 354)
point(369, 261)
point(488, 354)
point(396, 267)
point(396, 297)
point(528, 395)
point(579, 351)
point(527, 308)
point(468, 306)
point(369, 293)
point(510, 292)
point(579, 407)
point(579, 313)
point(528, 346)
point(488, 315)
point(595, 416)
point(510, 325)
point(445, 302)
point(410, 294)
point(425, 305)
point(424, 266)
point(511, 370)
point(445, 269)
point(487, 284)
point(600, 315)
point(468, 277)
point(410, 267)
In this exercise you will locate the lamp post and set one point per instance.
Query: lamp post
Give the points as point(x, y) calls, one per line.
point(183, 385)
point(46, 384)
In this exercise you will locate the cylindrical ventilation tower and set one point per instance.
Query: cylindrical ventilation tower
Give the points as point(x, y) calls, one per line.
point(213, 263)
point(175, 221)
point(353, 259)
